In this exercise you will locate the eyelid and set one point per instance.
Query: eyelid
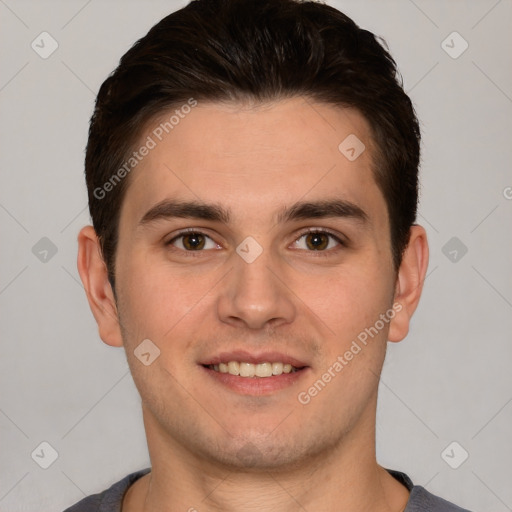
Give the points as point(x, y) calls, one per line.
point(339, 238)
point(186, 231)
point(326, 253)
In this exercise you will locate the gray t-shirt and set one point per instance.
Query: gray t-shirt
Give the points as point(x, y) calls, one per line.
point(110, 500)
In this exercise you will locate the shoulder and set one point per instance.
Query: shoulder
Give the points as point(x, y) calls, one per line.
point(421, 500)
point(110, 499)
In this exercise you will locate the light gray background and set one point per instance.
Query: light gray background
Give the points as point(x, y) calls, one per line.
point(449, 381)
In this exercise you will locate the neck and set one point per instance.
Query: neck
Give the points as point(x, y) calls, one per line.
point(343, 477)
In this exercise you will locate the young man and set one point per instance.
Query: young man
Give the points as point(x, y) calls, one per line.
point(252, 174)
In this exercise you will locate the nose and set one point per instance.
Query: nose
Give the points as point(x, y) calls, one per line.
point(255, 295)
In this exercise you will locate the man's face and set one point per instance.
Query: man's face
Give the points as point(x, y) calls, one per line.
point(258, 288)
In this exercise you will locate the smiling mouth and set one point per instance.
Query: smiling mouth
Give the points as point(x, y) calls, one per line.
point(259, 370)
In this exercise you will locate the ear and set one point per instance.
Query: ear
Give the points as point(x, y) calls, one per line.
point(94, 276)
point(409, 284)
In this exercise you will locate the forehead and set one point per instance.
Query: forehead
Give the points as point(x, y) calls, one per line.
point(255, 157)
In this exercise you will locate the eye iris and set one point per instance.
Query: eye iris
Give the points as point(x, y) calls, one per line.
point(316, 239)
point(196, 240)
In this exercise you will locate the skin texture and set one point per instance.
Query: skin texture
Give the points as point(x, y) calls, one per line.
point(213, 448)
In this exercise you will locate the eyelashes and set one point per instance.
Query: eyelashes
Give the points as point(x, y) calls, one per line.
point(315, 233)
point(194, 242)
point(192, 233)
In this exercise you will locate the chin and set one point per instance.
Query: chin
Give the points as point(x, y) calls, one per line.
point(253, 452)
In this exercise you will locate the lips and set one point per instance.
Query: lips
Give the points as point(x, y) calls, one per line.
point(254, 373)
point(263, 365)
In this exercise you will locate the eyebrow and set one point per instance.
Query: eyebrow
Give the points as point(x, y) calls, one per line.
point(302, 210)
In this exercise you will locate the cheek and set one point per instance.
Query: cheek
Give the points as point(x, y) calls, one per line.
point(355, 346)
point(157, 301)
point(352, 301)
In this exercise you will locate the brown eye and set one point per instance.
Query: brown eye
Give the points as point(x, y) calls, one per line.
point(317, 241)
point(193, 241)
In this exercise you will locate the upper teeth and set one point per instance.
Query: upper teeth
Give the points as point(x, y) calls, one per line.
point(253, 370)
